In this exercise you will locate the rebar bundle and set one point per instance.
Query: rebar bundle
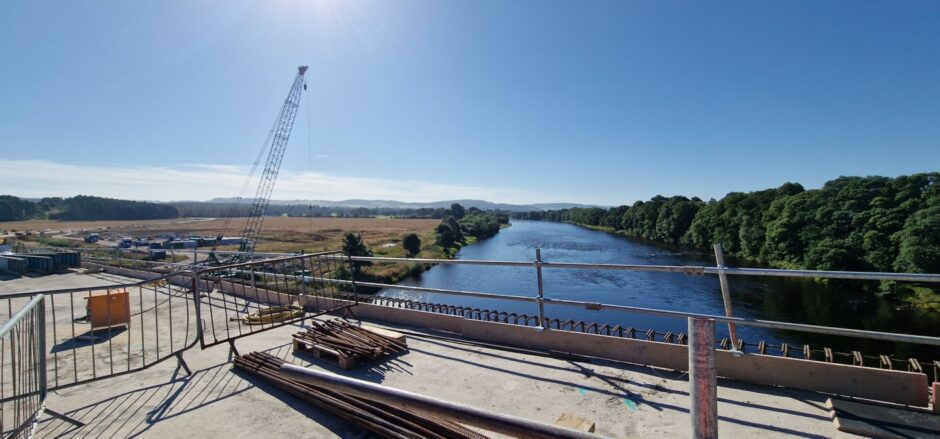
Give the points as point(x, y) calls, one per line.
point(381, 419)
point(349, 340)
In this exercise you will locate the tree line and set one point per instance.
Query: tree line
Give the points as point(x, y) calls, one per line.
point(458, 223)
point(223, 210)
point(82, 208)
point(851, 223)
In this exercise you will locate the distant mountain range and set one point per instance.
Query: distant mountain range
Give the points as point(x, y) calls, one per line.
point(372, 204)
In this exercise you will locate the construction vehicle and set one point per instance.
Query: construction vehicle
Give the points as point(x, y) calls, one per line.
point(275, 145)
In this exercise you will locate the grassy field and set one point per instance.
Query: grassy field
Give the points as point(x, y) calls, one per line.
point(279, 234)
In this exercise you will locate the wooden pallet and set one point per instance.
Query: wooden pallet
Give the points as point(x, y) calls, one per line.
point(344, 362)
point(324, 353)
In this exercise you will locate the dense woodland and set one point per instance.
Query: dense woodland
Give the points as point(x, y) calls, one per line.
point(851, 223)
point(82, 208)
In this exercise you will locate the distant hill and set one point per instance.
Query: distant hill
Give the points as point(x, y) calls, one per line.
point(393, 204)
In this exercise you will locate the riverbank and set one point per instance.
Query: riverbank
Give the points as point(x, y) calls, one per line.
point(430, 249)
point(924, 298)
point(767, 298)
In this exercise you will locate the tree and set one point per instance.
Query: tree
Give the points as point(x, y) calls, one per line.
point(353, 246)
point(454, 228)
point(920, 242)
point(445, 235)
point(412, 243)
point(457, 211)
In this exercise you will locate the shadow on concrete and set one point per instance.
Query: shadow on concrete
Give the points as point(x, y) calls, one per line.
point(618, 390)
point(88, 338)
point(133, 413)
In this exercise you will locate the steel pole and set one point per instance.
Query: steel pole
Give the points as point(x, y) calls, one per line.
point(41, 346)
point(541, 298)
point(726, 294)
point(703, 381)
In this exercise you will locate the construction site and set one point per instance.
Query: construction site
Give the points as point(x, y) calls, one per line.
point(264, 344)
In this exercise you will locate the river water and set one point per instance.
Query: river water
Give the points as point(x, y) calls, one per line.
point(791, 300)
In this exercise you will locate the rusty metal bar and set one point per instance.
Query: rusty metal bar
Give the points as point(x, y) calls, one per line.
point(725, 292)
point(497, 422)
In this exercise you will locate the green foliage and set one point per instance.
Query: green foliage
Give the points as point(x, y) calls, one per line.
point(457, 211)
point(412, 243)
point(85, 207)
point(353, 246)
point(454, 227)
point(851, 223)
point(480, 225)
point(919, 242)
point(475, 224)
point(445, 235)
point(82, 208)
point(15, 209)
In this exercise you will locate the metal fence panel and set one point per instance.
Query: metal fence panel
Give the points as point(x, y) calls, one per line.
point(238, 300)
point(144, 323)
point(22, 378)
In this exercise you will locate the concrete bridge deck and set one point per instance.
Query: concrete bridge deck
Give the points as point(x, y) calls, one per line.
point(623, 400)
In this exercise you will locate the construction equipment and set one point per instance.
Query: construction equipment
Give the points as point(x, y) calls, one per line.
point(275, 145)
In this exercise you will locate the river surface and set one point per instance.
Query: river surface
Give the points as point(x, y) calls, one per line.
point(791, 300)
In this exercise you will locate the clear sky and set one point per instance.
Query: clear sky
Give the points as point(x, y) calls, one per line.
point(519, 101)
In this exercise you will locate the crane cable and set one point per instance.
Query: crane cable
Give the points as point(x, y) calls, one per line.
point(233, 210)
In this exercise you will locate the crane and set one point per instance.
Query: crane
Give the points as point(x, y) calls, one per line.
point(277, 139)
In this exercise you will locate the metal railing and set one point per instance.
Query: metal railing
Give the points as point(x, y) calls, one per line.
point(538, 265)
point(235, 299)
point(23, 384)
point(281, 279)
point(225, 297)
point(132, 327)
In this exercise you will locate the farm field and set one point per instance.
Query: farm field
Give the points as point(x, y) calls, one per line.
point(279, 233)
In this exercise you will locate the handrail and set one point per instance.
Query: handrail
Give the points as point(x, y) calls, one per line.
point(111, 286)
point(596, 306)
point(685, 269)
point(9, 324)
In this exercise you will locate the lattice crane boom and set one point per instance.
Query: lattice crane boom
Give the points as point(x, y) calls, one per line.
point(280, 135)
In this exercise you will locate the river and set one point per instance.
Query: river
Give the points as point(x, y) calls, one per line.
point(791, 300)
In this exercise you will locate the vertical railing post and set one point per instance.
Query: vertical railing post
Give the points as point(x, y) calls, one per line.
point(352, 277)
point(726, 294)
point(41, 347)
point(197, 309)
point(541, 298)
point(703, 380)
point(303, 291)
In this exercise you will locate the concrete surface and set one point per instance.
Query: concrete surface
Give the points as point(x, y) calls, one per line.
point(623, 400)
point(217, 401)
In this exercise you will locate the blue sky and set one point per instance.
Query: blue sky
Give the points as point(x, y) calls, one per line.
point(594, 102)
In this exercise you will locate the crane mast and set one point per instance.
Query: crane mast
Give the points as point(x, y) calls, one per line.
point(278, 138)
